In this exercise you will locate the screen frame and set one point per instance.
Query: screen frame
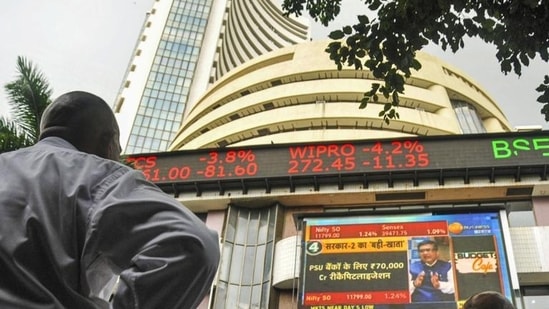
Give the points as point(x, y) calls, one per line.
point(511, 286)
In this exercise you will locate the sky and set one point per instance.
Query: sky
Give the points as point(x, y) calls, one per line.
point(88, 44)
point(77, 44)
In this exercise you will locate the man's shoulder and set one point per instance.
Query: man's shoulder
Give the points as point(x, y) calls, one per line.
point(57, 154)
point(444, 264)
point(416, 265)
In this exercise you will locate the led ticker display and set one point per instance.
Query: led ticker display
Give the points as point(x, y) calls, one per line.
point(402, 262)
point(368, 156)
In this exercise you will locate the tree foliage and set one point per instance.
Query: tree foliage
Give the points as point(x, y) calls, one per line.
point(544, 97)
point(28, 96)
point(10, 138)
point(387, 44)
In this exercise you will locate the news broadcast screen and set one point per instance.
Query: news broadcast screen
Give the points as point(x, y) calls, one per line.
point(402, 262)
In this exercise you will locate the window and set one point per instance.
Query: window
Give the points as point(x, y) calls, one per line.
point(244, 279)
point(468, 118)
point(119, 105)
point(172, 68)
point(536, 297)
point(521, 218)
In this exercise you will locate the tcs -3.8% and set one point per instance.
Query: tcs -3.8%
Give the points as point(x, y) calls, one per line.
point(233, 163)
point(228, 164)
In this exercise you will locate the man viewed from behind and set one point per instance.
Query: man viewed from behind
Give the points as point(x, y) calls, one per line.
point(72, 219)
point(488, 300)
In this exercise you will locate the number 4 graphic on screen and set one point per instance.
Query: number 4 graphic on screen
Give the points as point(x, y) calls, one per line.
point(314, 247)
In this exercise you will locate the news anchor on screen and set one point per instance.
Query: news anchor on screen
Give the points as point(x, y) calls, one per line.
point(432, 279)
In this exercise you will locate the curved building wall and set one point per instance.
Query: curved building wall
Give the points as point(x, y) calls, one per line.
point(242, 31)
point(254, 28)
point(297, 94)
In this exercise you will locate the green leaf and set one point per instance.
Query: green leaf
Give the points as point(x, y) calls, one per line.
point(363, 19)
point(374, 5)
point(516, 66)
point(364, 102)
point(336, 35)
point(488, 23)
point(544, 54)
point(347, 30)
point(524, 59)
point(358, 64)
point(416, 65)
point(396, 99)
point(506, 66)
point(543, 98)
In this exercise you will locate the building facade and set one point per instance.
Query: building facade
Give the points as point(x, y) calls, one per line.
point(185, 46)
point(296, 94)
point(270, 141)
point(293, 106)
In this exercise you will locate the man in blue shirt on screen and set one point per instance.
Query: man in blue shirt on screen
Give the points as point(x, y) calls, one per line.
point(432, 280)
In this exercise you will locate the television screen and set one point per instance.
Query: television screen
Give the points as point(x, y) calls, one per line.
point(402, 261)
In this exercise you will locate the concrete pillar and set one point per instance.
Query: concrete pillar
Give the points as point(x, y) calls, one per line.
point(447, 111)
point(540, 205)
point(492, 124)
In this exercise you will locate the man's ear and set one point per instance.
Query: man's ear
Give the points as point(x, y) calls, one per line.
point(109, 146)
point(100, 144)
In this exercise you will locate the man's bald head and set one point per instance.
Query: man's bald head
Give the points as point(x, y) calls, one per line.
point(85, 121)
point(488, 300)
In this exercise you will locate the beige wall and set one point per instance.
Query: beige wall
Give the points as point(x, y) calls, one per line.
point(297, 93)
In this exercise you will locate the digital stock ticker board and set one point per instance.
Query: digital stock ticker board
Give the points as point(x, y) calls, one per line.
point(364, 156)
